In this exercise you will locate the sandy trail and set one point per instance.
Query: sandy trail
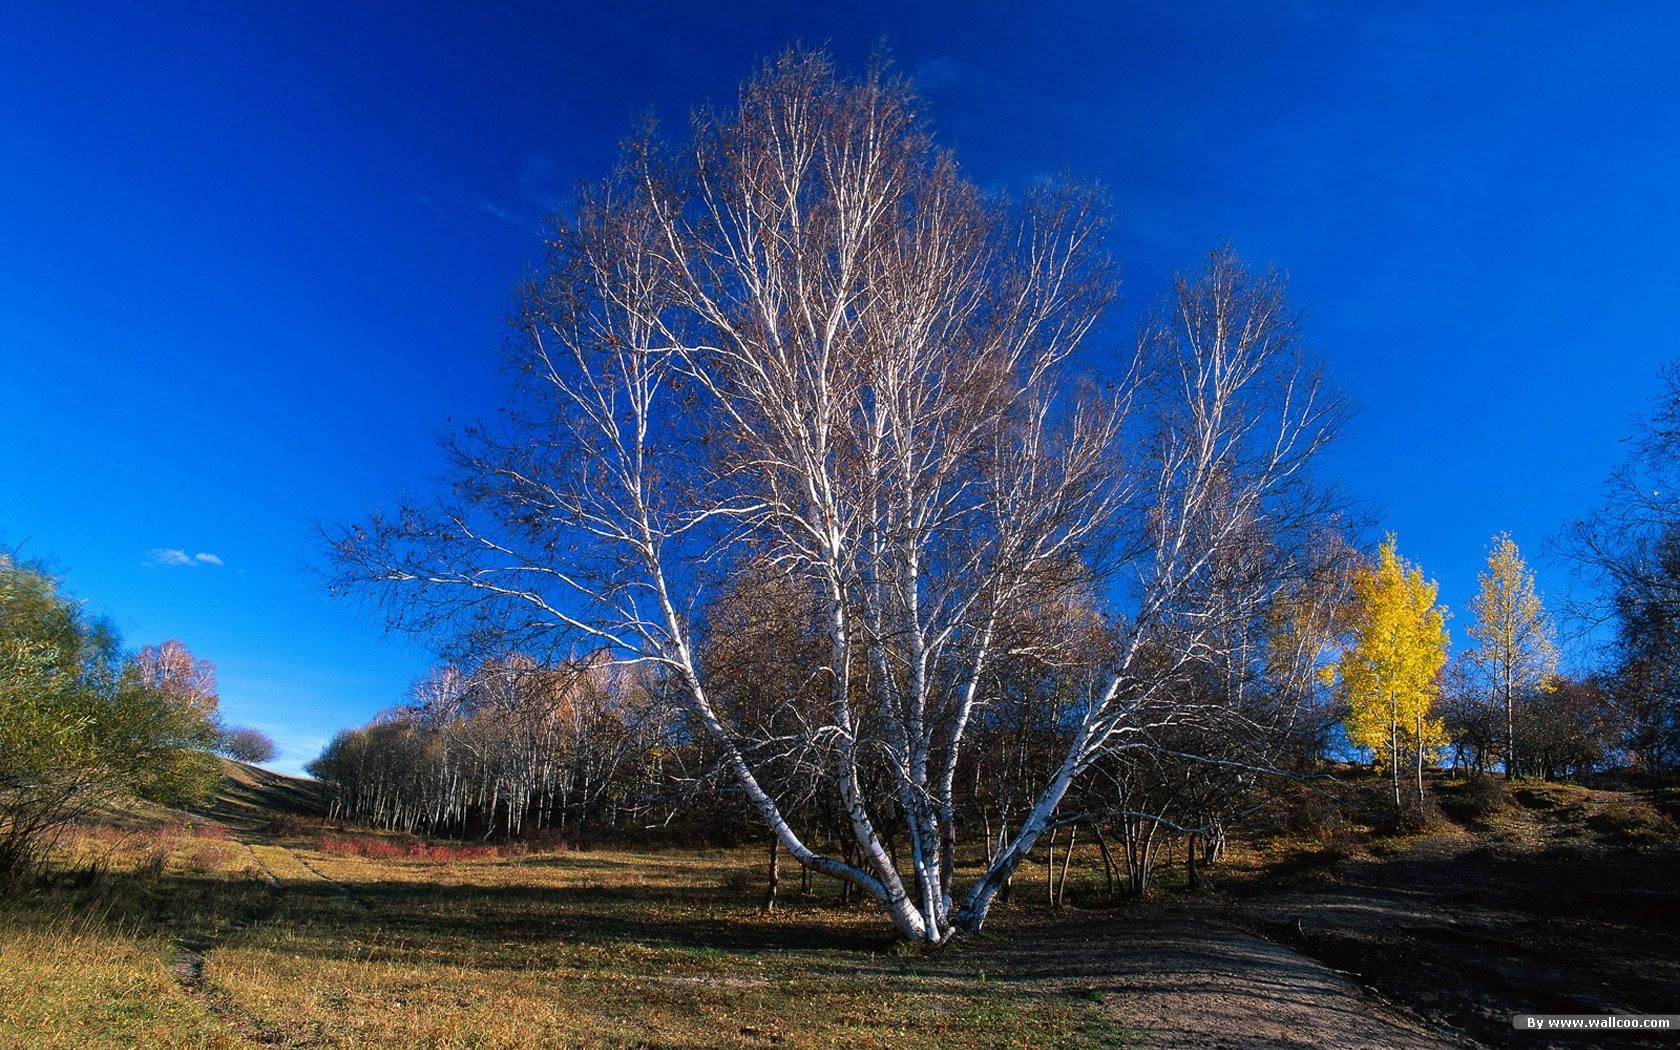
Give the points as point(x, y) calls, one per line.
point(1181, 981)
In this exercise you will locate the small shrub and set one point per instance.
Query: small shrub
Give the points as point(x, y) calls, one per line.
point(213, 832)
point(543, 840)
point(1317, 816)
point(1412, 818)
point(207, 858)
point(746, 880)
point(423, 851)
point(153, 859)
point(290, 825)
point(1633, 824)
point(369, 848)
point(1476, 799)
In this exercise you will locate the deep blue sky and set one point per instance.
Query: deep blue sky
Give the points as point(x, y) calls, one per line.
point(254, 255)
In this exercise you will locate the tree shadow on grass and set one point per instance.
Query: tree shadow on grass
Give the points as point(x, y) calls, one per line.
point(648, 916)
point(129, 904)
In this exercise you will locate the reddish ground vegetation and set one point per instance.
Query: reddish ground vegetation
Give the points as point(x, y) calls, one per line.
point(374, 848)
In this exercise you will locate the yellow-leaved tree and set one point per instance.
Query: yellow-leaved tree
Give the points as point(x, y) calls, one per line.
point(1516, 655)
point(1390, 670)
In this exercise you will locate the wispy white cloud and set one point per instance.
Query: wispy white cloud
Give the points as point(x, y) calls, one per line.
point(497, 210)
point(175, 558)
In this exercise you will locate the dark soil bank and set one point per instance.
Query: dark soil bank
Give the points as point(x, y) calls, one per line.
point(1559, 903)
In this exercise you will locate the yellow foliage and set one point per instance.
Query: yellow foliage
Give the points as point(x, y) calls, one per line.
point(1390, 671)
point(1511, 625)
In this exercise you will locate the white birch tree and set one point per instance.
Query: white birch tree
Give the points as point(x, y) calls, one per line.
point(805, 341)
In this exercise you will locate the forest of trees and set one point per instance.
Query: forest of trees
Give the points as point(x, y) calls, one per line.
point(509, 747)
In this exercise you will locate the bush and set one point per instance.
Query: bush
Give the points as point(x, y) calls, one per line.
point(1476, 799)
point(1412, 818)
point(1316, 815)
point(290, 825)
point(82, 723)
point(1634, 823)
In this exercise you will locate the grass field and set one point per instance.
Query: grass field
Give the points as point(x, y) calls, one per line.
point(188, 936)
point(259, 924)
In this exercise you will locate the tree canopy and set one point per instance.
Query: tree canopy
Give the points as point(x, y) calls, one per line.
point(1627, 552)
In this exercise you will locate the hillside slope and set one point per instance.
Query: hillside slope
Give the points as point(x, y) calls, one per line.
point(252, 798)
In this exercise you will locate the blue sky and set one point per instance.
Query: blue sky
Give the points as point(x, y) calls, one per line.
point(254, 256)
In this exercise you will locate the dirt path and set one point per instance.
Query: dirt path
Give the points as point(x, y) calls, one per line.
point(1563, 901)
point(192, 952)
point(280, 869)
point(1181, 982)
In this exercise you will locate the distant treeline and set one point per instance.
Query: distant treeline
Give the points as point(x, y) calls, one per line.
point(590, 748)
point(510, 747)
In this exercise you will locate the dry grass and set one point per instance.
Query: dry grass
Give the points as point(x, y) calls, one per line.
point(75, 989)
point(86, 954)
point(600, 950)
point(165, 933)
point(354, 947)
